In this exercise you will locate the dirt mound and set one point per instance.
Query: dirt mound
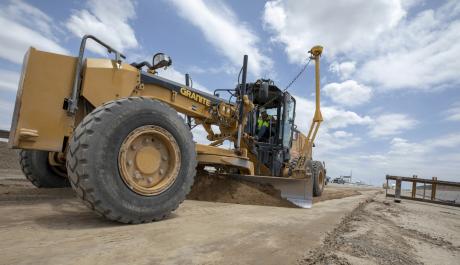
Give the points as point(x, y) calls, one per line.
point(9, 158)
point(217, 188)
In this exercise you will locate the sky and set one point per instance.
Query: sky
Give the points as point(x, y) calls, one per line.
point(390, 70)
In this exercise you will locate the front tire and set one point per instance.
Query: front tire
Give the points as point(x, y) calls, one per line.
point(98, 160)
point(37, 169)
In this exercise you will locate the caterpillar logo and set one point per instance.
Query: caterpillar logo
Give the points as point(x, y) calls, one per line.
point(197, 97)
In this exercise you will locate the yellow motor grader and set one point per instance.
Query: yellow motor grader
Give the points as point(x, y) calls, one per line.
point(120, 135)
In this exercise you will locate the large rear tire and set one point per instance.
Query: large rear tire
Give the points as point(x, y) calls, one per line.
point(319, 177)
point(118, 152)
point(37, 169)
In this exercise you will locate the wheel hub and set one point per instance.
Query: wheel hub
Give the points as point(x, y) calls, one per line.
point(56, 162)
point(149, 160)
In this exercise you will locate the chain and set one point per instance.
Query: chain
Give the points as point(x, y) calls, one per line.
point(298, 75)
point(292, 82)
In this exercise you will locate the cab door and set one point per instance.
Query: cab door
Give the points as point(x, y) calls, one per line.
point(288, 120)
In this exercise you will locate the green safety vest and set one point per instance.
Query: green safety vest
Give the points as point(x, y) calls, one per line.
point(261, 122)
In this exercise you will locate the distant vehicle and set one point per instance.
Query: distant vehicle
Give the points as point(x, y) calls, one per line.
point(347, 179)
point(328, 179)
point(338, 180)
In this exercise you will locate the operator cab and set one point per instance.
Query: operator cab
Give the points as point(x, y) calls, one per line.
point(271, 123)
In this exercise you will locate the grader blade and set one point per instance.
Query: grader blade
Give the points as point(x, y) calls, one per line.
point(297, 191)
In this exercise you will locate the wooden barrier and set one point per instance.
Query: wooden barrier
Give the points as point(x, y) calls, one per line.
point(434, 182)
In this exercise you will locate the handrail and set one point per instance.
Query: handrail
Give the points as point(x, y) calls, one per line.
point(72, 102)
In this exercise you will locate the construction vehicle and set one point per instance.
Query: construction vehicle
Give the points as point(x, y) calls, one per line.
point(121, 136)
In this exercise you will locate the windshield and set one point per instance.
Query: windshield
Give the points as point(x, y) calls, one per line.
point(288, 120)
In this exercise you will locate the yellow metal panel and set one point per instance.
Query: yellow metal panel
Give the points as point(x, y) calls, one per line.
point(103, 80)
point(179, 102)
point(300, 146)
point(211, 155)
point(39, 120)
point(213, 150)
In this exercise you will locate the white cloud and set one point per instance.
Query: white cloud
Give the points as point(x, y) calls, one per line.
point(338, 118)
point(344, 70)
point(392, 50)
point(446, 141)
point(179, 77)
point(400, 146)
point(419, 54)
point(342, 134)
point(329, 139)
point(391, 124)
point(341, 26)
point(108, 21)
point(30, 16)
point(8, 80)
point(453, 113)
point(348, 93)
point(329, 142)
point(23, 26)
point(226, 69)
point(225, 31)
point(334, 117)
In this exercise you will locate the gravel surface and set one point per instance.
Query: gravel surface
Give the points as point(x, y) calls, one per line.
point(9, 158)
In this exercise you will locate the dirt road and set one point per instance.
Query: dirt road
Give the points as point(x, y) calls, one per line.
point(347, 225)
point(383, 232)
point(49, 226)
point(39, 226)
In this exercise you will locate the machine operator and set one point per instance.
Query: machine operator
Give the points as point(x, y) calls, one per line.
point(263, 126)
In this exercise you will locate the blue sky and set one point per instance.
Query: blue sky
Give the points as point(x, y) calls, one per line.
point(390, 69)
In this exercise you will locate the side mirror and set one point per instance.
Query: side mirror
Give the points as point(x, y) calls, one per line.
point(161, 60)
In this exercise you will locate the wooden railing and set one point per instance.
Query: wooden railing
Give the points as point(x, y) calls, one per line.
point(432, 190)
